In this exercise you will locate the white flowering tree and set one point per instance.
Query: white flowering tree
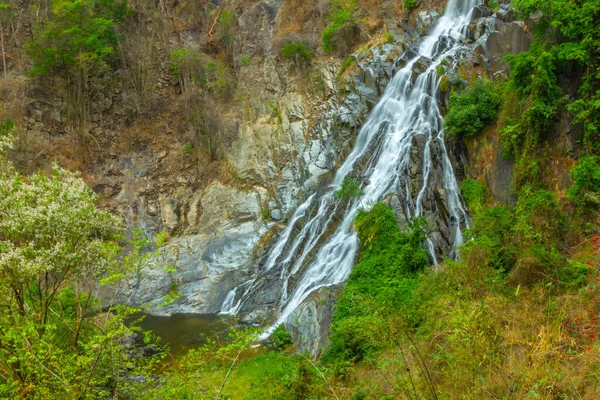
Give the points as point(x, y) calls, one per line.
point(55, 246)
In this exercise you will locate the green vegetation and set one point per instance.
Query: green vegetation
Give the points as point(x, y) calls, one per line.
point(474, 193)
point(347, 63)
point(410, 4)
point(185, 63)
point(219, 80)
point(473, 109)
point(574, 35)
point(440, 70)
point(586, 182)
point(343, 25)
point(281, 337)
point(79, 45)
point(55, 341)
point(383, 281)
point(297, 51)
point(350, 188)
point(536, 93)
point(81, 38)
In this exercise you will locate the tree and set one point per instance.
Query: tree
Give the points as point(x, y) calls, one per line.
point(78, 44)
point(55, 246)
point(3, 10)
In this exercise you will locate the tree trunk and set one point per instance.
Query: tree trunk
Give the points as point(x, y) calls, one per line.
point(3, 56)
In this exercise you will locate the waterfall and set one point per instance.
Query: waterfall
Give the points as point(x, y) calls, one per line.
point(318, 247)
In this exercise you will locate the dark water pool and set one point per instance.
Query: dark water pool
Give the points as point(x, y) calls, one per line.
point(182, 332)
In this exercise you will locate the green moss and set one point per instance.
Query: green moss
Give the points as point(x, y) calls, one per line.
point(444, 84)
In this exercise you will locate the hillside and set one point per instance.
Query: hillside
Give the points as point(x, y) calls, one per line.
point(395, 199)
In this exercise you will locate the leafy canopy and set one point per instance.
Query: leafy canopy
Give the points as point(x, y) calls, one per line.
point(81, 34)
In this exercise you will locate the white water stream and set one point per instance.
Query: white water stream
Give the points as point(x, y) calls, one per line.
point(321, 253)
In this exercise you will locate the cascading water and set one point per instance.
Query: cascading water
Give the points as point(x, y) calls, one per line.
point(324, 249)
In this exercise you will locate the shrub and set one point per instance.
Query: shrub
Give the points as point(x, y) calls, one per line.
point(184, 64)
point(281, 337)
point(472, 110)
point(53, 332)
point(350, 188)
point(79, 33)
point(296, 51)
point(410, 4)
point(474, 193)
point(219, 80)
point(345, 66)
point(343, 26)
point(493, 231)
point(586, 182)
point(382, 283)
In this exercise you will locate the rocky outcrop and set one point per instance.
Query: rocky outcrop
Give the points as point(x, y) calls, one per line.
point(309, 324)
point(194, 273)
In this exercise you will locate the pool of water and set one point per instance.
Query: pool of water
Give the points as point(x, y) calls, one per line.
point(181, 332)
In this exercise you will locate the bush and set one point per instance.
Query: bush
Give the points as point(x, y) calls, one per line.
point(343, 26)
point(586, 182)
point(410, 4)
point(381, 284)
point(296, 51)
point(474, 193)
point(472, 110)
point(350, 188)
point(281, 337)
point(493, 231)
point(80, 32)
point(185, 64)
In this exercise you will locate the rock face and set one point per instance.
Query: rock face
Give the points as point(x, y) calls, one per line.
point(194, 273)
point(309, 323)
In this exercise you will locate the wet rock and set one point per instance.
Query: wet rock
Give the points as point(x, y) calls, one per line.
point(276, 215)
point(194, 273)
point(420, 66)
point(426, 19)
point(481, 11)
point(309, 324)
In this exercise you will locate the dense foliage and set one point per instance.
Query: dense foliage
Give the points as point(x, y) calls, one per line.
point(81, 36)
point(384, 279)
point(586, 182)
point(572, 27)
point(473, 109)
